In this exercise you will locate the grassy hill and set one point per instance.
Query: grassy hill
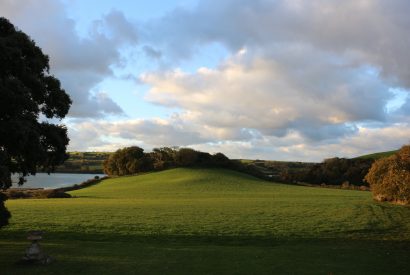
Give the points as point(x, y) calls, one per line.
point(210, 221)
point(379, 155)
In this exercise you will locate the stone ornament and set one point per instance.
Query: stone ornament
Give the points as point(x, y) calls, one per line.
point(34, 253)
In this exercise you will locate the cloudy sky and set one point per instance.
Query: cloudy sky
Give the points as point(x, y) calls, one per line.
point(267, 79)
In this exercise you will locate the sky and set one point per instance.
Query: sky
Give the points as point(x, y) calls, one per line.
point(257, 79)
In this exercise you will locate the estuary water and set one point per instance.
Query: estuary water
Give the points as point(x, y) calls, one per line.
point(56, 180)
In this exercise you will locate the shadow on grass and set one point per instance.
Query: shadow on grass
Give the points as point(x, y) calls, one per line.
point(98, 254)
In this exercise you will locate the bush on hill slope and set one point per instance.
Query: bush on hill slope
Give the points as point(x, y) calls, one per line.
point(389, 178)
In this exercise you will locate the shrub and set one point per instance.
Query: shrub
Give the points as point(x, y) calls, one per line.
point(221, 160)
point(57, 194)
point(186, 157)
point(389, 178)
point(14, 194)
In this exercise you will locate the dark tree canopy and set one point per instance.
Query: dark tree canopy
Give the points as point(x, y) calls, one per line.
point(124, 161)
point(336, 171)
point(29, 96)
point(133, 160)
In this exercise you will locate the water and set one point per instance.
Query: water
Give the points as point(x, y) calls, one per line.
point(44, 180)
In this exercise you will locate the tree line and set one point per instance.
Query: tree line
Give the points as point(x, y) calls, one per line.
point(133, 160)
point(387, 177)
point(338, 171)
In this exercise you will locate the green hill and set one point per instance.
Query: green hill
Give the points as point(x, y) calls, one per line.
point(379, 155)
point(210, 221)
point(203, 201)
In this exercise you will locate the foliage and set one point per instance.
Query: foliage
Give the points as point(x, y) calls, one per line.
point(186, 157)
point(28, 93)
point(35, 194)
point(336, 171)
point(389, 178)
point(333, 171)
point(163, 158)
point(4, 213)
point(133, 160)
point(124, 161)
point(276, 171)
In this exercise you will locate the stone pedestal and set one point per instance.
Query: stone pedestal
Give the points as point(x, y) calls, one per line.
point(34, 254)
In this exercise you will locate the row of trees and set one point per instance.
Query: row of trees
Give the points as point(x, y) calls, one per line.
point(336, 171)
point(388, 178)
point(133, 160)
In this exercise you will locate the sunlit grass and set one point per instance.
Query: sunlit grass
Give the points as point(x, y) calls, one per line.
point(208, 210)
point(379, 155)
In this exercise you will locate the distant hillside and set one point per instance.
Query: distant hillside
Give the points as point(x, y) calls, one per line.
point(92, 162)
point(379, 155)
point(278, 171)
point(84, 162)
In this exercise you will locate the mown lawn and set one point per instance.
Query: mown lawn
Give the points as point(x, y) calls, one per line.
point(209, 221)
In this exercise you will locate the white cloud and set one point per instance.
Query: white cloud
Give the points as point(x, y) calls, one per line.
point(80, 63)
point(149, 133)
point(315, 97)
point(110, 136)
point(303, 80)
point(371, 32)
point(321, 70)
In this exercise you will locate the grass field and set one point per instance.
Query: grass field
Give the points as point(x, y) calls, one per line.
point(201, 221)
point(378, 155)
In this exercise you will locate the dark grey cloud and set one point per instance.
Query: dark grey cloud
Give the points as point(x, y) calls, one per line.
point(325, 132)
point(151, 52)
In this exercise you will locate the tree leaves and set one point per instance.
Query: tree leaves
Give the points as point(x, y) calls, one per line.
point(27, 91)
point(389, 178)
